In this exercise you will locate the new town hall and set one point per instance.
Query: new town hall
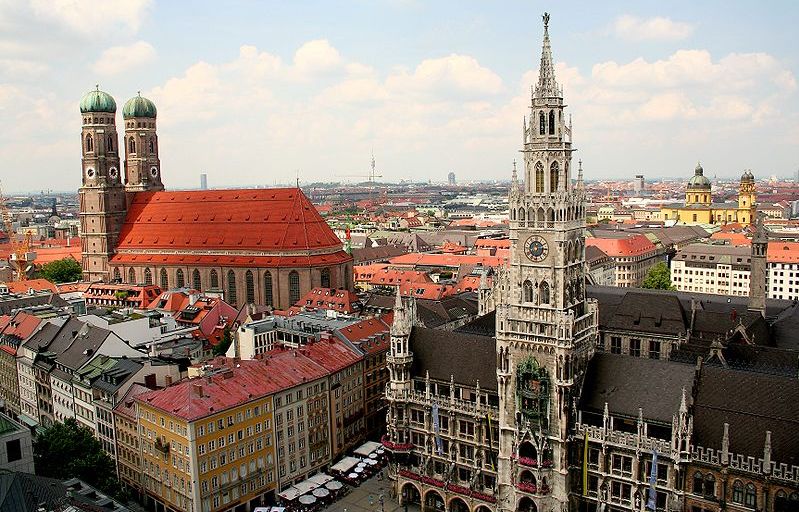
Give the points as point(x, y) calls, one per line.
point(599, 398)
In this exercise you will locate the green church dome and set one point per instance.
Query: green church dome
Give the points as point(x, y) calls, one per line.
point(97, 101)
point(698, 180)
point(138, 106)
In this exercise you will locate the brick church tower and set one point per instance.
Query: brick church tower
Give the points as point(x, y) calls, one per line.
point(102, 195)
point(142, 165)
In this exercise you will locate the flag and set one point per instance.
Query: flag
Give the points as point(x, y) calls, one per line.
point(491, 442)
point(439, 449)
point(651, 504)
point(585, 464)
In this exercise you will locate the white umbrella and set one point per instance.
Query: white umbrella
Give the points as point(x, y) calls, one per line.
point(307, 499)
point(372, 456)
point(352, 476)
point(334, 485)
point(321, 492)
point(380, 451)
point(359, 469)
point(372, 462)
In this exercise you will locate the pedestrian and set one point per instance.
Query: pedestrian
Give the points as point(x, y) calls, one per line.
point(371, 500)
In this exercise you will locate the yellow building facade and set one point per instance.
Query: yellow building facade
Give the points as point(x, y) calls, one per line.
point(699, 207)
point(203, 456)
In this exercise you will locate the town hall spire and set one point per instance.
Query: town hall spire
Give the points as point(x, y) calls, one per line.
point(547, 86)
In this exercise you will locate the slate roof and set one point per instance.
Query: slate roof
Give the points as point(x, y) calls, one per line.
point(23, 492)
point(769, 403)
point(629, 383)
point(485, 325)
point(467, 357)
point(435, 313)
point(652, 313)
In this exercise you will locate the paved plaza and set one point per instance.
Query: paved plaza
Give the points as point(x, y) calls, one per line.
point(358, 500)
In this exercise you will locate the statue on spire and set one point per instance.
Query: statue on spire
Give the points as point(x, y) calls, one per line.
point(546, 20)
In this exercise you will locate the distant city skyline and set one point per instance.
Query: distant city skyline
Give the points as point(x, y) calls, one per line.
point(254, 92)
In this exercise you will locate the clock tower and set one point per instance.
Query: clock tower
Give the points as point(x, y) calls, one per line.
point(545, 327)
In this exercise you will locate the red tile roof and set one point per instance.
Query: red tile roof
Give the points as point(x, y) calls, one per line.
point(431, 291)
point(783, 252)
point(340, 300)
point(31, 284)
point(365, 328)
point(502, 243)
point(21, 325)
point(278, 219)
point(393, 277)
point(448, 260)
point(633, 245)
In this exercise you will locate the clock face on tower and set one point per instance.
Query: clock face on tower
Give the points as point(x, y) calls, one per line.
point(535, 248)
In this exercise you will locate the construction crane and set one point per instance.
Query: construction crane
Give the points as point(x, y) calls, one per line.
point(21, 258)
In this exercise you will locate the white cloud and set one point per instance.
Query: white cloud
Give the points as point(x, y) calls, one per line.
point(454, 74)
point(18, 68)
point(658, 28)
point(316, 57)
point(88, 18)
point(118, 59)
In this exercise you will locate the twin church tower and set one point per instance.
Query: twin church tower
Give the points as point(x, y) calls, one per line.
point(106, 192)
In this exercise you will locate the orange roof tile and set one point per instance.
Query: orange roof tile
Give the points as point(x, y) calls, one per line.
point(633, 245)
point(448, 260)
point(278, 219)
point(783, 252)
point(31, 284)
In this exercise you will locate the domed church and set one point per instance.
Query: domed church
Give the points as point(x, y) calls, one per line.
point(699, 207)
point(261, 246)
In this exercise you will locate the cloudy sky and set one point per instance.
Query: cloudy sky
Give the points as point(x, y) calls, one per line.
point(254, 92)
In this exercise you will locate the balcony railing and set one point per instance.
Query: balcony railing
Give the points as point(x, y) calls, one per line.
point(396, 447)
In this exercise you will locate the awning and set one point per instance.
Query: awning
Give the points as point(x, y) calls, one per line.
point(366, 448)
point(345, 464)
point(320, 479)
point(289, 494)
point(306, 486)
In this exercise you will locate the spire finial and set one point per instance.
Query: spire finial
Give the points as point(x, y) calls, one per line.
point(547, 86)
point(139, 93)
point(97, 87)
point(546, 20)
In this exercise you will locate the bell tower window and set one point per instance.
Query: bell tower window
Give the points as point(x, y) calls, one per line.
point(543, 293)
point(132, 145)
point(554, 170)
point(527, 295)
point(552, 122)
point(152, 145)
point(542, 123)
point(539, 176)
point(110, 143)
point(89, 143)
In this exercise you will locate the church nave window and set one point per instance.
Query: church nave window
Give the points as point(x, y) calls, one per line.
point(195, 280)
point(268, 300)
point(249, 283)
point(231, 288)
point(214, 279)
point(148, 276)
point(164, 279)
point(131, 276)
point(180, 278)
point(325, 278)
point(294, 287)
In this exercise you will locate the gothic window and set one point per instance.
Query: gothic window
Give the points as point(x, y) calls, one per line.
point(325, 277)
point(540, 217)
point(550, 218)
point(131, 276)
point(110, 143)
point(512, 214)
point(710, 485)
point(552, 122)
point(231, 288)
point(527, 291)
point(195, 280)
point(521, 216)
point(294, 287)
point(152, 145)
point(543, 293)
point(268, 300)
point(542, 122)
point(249, 283)
point(539, 176)
point(738, 492)
point(750, 499)
point(214, 279)
point(554, 170)
point(180, 278)
point(699, 484)
point(131, 145)
point(148, 276)
point(164, 279)
point(117, 275)
point(89, 143)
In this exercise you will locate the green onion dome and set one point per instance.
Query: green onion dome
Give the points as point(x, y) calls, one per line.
point(97, 101)
point(698, 180)
point(138, 106)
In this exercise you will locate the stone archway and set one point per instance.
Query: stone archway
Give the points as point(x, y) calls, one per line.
point(482, 508)
point(410, 494)
point(526, 505)
point(433, 502)
point(457, 504)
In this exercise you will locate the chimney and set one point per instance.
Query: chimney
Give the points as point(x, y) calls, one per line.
point(168, 380)
point(197, 390)
point(149, 381)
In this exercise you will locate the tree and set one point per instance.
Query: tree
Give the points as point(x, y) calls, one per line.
point(70, 450)
point(658, 278)
point(227, 339)
point(62, 271)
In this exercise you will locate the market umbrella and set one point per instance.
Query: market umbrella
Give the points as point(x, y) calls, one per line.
point(307, 499)
point(372, 462)
point(334, 485)
point(321, 492)
point(352, 476)
point(359, 469)
point(372, 456)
